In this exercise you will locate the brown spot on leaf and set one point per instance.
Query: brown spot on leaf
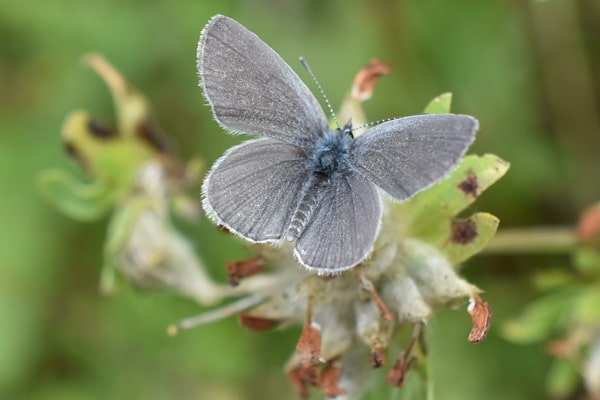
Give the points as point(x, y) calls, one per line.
point(329, 379)
point(236, 270)
point(257, 324)
point(366, 79)
point(463, 231)
point(481, 315)
point(100, 130)
point(377, 358)
point(470, 185)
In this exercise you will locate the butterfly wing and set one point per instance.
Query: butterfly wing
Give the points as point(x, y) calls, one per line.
point(251, 89)
point(343, 229)
point(253, 188)
point(406, 155)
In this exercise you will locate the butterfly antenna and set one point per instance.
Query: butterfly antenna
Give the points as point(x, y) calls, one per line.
point(367, 125)
point(314, 78)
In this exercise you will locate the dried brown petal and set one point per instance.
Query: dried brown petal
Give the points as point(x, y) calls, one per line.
point(366, 79)
point(237, 270)
point(300, 377)
point(396, 375)
point(588, 227)
point(377, 358)
point(309, 345)
point(257, 324)
point(329, 378)
point(481, 315)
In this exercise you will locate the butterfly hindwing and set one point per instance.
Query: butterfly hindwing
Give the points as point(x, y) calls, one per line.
point(253, 188)
point(343, 229)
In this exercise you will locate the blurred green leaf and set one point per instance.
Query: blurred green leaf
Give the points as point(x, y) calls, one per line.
point(542, 317)
point(562, 378)
point(439, 105)
point(80, 201)
point(586, 309)
point(587, 260)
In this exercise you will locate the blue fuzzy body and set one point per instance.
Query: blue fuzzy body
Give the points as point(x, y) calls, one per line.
point(331, 153)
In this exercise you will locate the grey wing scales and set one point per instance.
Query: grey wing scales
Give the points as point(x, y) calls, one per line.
point(406, 155)
point(251, 89)
point(253, 188)
point(343, 229)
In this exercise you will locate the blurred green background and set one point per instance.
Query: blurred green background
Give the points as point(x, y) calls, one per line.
point(528, 70)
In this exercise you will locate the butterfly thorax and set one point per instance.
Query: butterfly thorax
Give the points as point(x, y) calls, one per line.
point(330, 157)
point(331, 152)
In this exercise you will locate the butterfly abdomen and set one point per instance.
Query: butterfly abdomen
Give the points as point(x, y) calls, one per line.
point(306, 207)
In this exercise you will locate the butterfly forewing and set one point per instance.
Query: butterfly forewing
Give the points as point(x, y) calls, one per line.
point(406, 155)
point(253, 187)
point(251, 89)
point(344, 227)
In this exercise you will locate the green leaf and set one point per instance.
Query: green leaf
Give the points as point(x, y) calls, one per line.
point(80, 201)
point(439, 105)
point(468, 236)
point(115, 160)
point(429, 213)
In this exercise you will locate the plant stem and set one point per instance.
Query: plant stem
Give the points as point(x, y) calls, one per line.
point(537, 240)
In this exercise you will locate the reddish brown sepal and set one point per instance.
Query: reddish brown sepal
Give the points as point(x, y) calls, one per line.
point(366, 79)
point(309, 345)
point(257, 324)
point(300, 377)
point(377, 358)
point(396, 375)
point(368, 286)
point(237, 270)
point(481, 315)
point(588, 228)
point(329, 379)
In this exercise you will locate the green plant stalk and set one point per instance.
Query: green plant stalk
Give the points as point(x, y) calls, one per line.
point(536, 240)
